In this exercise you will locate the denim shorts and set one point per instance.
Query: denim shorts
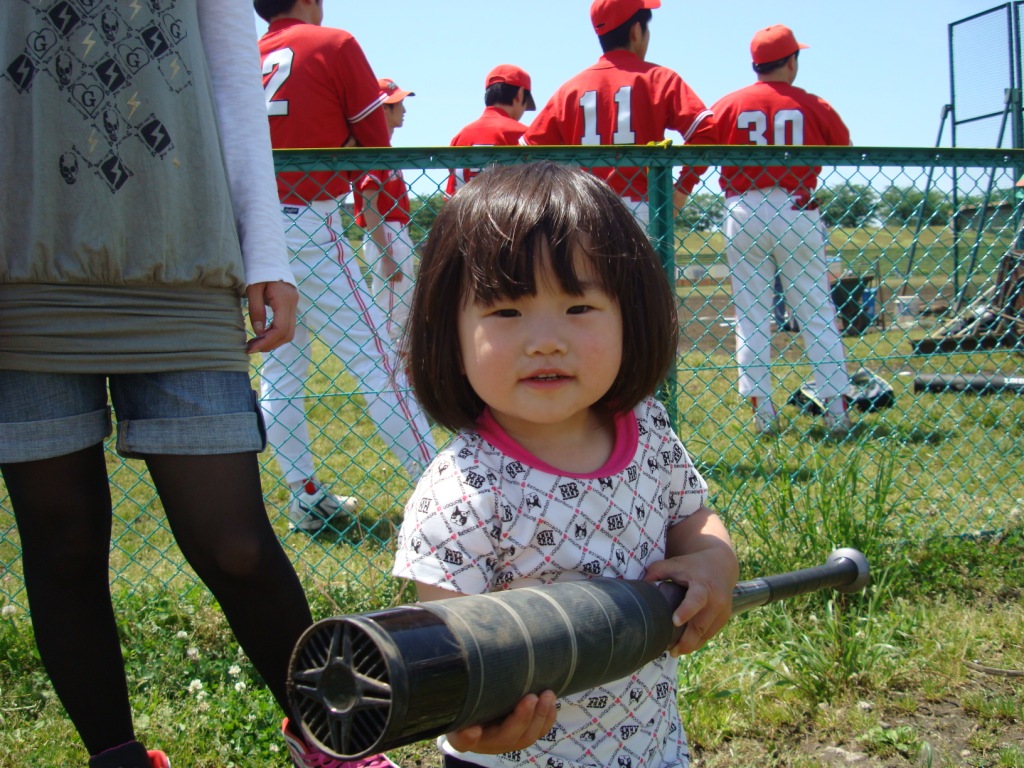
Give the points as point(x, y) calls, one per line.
point(44, 415)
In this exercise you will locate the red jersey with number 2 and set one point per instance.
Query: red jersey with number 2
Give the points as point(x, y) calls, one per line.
point(621, 99)
point(775, 114)
point(320, 90)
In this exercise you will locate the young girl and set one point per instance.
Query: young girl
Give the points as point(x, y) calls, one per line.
point(541, 325)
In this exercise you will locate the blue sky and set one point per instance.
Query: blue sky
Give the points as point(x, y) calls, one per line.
point(883, 65)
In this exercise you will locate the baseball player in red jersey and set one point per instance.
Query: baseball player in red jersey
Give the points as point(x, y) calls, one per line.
point(507, 98)
point(382, 210)
point(623, 99)
point(321, 92)
point(773, 226)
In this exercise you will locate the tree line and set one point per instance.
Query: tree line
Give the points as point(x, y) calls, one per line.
point(846, 205)
point(857, 205)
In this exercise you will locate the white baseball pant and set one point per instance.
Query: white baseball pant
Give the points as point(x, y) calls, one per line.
point(765, 233)
point(335, 306)
point(393, 299)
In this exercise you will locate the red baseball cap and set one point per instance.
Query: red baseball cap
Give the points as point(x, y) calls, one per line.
point(773, 43)
point(514, 76)
point(606, 15)
point(390, 89)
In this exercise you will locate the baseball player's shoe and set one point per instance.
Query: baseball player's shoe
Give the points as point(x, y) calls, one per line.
point(158, 759)
point(766, 421)
point(313, 505)
point(306, 756)
point(836, 417)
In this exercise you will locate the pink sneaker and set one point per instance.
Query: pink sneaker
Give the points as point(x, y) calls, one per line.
point(129, 753)
point(307, 756)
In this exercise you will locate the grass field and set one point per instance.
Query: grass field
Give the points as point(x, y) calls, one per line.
point(922, 669)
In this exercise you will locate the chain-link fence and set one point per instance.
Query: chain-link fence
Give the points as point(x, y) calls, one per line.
point(927, 295)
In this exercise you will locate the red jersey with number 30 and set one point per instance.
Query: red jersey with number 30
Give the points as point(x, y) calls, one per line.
point(621, 100)
point(494, 128)
point(775, 114)
point(320, 91)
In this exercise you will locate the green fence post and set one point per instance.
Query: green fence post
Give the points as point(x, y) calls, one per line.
point(662, 215)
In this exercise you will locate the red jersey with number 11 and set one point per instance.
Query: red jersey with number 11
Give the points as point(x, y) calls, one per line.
point(621, 99)
point(775, 114)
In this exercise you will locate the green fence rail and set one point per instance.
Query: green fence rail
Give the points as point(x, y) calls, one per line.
point(927, 281)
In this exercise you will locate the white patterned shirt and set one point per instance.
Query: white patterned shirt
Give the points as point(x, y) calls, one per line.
point(487, 515)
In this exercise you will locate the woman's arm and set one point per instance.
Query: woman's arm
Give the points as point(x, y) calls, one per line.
point(228, 31)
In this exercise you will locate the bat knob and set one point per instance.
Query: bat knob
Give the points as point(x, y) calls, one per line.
point(857, 557)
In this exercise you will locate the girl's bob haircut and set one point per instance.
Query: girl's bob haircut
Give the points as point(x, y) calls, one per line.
point(486, 245)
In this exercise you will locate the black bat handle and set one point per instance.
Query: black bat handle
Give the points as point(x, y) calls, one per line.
point(846, 570)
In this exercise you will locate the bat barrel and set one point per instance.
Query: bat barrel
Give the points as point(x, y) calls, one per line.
point(367, 683)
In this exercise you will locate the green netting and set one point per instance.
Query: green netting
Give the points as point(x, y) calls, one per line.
point(927, 283)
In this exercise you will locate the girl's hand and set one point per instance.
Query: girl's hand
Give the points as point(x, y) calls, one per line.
point(701, 558)
point(532, 718)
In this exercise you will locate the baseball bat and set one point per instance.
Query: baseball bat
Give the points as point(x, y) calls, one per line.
point(365, 683)
point(978, 384)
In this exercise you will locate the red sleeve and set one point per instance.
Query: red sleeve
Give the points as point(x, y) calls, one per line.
point(687, 115)
point(371, 180)
point(700, 131)
point(704, 133)
point(838, 133)
point(361, 96)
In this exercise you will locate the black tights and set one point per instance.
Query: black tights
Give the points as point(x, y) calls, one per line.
point(214, 505)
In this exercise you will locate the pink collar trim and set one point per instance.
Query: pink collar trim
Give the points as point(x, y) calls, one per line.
point(627, 438)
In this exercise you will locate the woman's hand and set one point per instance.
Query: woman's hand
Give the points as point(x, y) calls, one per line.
point(283, 300)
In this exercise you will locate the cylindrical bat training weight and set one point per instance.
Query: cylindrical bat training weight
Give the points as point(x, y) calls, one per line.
point(366, 683)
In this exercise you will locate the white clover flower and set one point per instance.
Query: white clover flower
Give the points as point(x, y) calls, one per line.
point(196, 686)
point(192, 653)
point(9, 610)
point(204, 706)
point(274, 748)
point(201, 696)
point(234, 670)
point(240, 686)
point(182, 634)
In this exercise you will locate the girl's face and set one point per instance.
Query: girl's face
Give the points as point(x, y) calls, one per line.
point(541, 362)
